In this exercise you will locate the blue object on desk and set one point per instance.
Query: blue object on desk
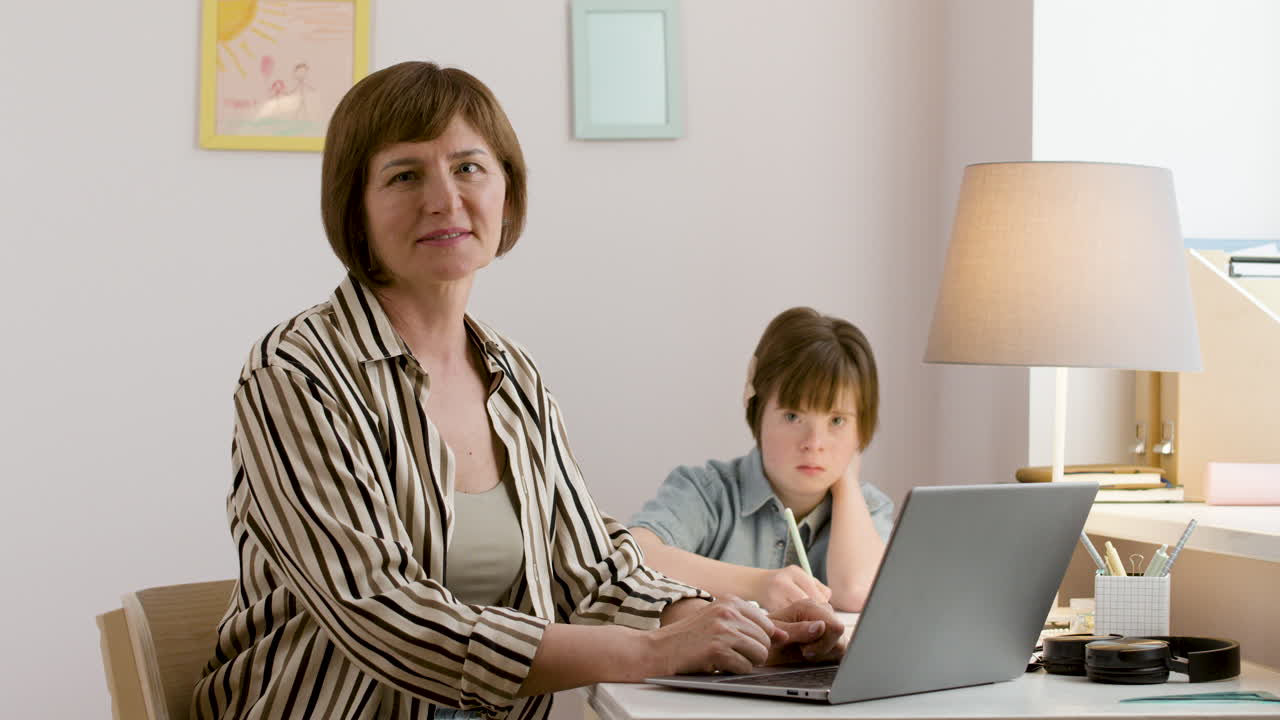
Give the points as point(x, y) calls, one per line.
point(1231, 696)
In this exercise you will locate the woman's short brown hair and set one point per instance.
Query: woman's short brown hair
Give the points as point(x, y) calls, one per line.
point(811, 360)
point(408, 102)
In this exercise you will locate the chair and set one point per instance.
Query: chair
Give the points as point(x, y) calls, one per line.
point(155, 646)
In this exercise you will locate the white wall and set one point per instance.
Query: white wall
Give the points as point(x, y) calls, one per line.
point(980, 427)
point(1184, 84)
point(1100, 417)
point(141, 268)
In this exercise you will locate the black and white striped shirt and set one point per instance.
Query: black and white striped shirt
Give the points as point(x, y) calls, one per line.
point(341, 508)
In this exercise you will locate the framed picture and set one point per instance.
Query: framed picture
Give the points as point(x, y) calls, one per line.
point(626, 59)
point(272, 71)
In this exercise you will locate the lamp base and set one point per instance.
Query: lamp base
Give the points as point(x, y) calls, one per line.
point(1059, 422)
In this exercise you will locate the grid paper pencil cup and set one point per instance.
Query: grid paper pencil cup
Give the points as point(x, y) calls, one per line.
point(1131, 605)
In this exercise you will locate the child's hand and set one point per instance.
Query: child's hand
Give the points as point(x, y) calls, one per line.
point(814, 633)
point(849, 480)
point(777, 589)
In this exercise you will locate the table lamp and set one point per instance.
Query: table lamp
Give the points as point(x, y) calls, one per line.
point(1065, 264)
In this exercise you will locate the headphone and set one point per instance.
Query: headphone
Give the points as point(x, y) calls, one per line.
point(1140, 660)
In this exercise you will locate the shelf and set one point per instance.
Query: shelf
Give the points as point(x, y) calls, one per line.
point(1248, 532)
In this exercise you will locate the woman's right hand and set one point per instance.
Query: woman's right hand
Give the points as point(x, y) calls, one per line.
point(729, 635)
point(777, 589)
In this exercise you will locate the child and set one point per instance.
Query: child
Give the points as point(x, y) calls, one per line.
point(811, 401)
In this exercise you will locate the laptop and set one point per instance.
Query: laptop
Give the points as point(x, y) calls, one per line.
point(966, 583)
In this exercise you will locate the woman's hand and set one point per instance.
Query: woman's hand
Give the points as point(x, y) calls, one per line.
point(728, 635)
point(813, 631)
point(776, 589)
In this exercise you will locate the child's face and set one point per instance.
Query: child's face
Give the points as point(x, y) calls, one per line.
point(806, 451)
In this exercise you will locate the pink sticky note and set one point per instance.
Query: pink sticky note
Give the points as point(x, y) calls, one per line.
point(1242, 483)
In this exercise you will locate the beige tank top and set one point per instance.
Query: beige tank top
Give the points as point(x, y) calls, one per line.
point(487, 552)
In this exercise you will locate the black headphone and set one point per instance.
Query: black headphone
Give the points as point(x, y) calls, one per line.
point(1140, 660)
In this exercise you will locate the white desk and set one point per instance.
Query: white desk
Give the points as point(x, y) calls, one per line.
point(1243, 531)
point(1034, 696)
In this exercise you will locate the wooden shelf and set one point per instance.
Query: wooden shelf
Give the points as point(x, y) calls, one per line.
point(1248, 532)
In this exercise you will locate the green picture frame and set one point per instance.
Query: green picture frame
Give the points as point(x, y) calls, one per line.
point(626, 70)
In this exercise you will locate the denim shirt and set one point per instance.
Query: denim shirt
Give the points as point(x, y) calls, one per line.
point(727, 511)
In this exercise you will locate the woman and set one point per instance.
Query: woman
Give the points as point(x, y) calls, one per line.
point(412, 529)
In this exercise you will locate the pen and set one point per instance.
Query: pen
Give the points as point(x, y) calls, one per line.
point(1093, 553)
point(1113, 560)
point(795, 540)
point(1178, 548)
point(1157, 562)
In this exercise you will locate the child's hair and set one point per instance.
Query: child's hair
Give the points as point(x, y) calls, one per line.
point(810, 360)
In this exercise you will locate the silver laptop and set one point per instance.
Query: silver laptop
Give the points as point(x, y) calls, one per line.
point(960, 598)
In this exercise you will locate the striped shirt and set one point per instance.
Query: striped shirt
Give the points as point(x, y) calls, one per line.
point(341, 509)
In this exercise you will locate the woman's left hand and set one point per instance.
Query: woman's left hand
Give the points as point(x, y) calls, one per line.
point(814, 633)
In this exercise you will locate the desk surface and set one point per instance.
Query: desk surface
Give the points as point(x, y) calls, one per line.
point(1244, 531)
point(1034, 696)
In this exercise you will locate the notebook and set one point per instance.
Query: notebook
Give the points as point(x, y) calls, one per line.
point(960, 598)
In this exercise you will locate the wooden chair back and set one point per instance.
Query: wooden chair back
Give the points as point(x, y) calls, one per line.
point(155, 647)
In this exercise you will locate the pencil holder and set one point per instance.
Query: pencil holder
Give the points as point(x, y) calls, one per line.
point(1131, 605)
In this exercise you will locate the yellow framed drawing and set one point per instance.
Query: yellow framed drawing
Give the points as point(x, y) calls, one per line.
point(272, 71)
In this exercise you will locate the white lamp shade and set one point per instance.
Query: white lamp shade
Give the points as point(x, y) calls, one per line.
point(1066, 264)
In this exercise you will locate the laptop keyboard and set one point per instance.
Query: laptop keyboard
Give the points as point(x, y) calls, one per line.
point(816, 678)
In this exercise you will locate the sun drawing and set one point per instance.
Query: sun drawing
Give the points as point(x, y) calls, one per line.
point(235, 19)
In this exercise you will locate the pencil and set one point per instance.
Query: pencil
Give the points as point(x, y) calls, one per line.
point(795, 540)
point(1093, 552)
point(1178, 548)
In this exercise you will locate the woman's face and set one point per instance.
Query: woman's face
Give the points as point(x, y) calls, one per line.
point(434, 209)
point(806, 451)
